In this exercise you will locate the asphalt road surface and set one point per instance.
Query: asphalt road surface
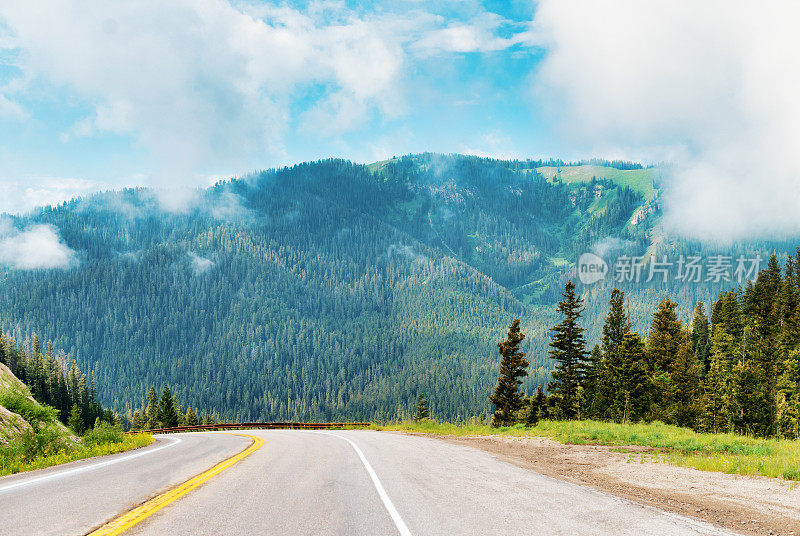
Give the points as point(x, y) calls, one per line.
point(322, 483)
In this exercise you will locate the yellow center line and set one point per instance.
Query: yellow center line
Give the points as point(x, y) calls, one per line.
point(140, 513)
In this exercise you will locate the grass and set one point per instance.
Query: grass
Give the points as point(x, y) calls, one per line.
point(638, 180)
point(727, 453)
point(15, 459)
point(45, 442)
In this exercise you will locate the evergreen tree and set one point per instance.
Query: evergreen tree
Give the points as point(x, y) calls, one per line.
point(616, 326)
point(569, 352)
point(685, 375)
point(76, 420)
point(137, 423)
point(167, 414)
point(664, 342)
point(151, 412)
point(191, 417)
point(717, 398)
point(630, 385)
point(422, 409)
point(507, 397)
point(701, 337)
point(536, 407)
point(593, 382)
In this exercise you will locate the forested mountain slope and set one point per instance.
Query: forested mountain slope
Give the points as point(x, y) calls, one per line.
point(332, 290)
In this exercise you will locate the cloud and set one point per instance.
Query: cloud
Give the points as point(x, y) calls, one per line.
point(21, 197)
point(476, 35)
point(492, 144)
point(37, 247)
point(610, 245)
point(200, 265)
point(228, 206)
point(713, 83)
point(204, 85)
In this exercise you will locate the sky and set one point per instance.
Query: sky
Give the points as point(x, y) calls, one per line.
point(98, 94)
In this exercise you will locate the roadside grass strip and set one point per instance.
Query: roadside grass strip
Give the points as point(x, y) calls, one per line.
point(142, 512)
point(721, 452)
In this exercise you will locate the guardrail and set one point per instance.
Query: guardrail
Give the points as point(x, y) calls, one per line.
point(256, 426)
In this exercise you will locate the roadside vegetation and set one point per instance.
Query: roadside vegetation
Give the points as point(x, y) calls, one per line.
point(40, 450)
point(33, 437)
point(726, 452)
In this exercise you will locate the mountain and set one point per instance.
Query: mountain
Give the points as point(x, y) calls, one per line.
point(331, 290)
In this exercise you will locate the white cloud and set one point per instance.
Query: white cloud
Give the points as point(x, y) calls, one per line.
point(493, 144)
point(477, 35)
point(204, 85)
point(12, 109)
point(37, 247)
point(21, 197)
point(200, 265)
point(713, 82)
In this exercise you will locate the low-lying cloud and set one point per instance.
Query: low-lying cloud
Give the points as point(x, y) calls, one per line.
point(200, 265)
point(36, 247)
point(711, 86)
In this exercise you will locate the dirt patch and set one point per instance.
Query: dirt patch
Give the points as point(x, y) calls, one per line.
point(744, 504)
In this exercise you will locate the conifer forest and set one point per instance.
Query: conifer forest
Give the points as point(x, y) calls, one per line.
point(331, 290)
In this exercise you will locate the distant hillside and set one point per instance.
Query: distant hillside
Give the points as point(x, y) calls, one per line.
point(331, 290)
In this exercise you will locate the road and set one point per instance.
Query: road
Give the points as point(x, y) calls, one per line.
point(322, 483)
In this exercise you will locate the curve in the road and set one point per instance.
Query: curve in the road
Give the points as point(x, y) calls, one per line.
point(173, 441)
point(142, 512)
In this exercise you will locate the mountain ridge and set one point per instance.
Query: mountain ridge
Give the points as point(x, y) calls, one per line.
point(336, 290)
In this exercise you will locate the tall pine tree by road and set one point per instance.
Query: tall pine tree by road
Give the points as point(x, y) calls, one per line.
point(167, 413)
point(507, 397)
point(422, 409)
point(569, 351)
point(616, 327)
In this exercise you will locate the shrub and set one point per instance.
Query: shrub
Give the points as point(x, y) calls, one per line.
point(103, 432)
point(37, 415)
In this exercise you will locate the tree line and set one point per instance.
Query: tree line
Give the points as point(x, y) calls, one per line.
point(736, 369)
point(55, 384)
point(166, 412)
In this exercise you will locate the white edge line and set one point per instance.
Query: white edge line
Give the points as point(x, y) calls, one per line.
point(387, 502)
point(28, 482)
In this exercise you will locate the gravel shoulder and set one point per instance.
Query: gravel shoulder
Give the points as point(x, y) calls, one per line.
point(745, 504)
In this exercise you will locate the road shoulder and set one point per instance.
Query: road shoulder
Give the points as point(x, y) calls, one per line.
point(749, 505)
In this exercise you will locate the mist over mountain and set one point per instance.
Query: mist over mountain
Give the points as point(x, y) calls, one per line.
point(332, 290)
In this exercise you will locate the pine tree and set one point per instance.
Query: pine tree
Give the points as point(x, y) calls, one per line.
point(422, 409)
point(191, 417)
point(137, 423)
point(76, 420)
point(716, 414)
point(665, 341)
point(630, 385)
point(685, 374)
point(616, 326)
point(595, 373)
point(536, 407)
point(700, 337)
point(507, 397)
point(569, 352)
point(151, 412)
point(787, 417)
point(167, 414)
